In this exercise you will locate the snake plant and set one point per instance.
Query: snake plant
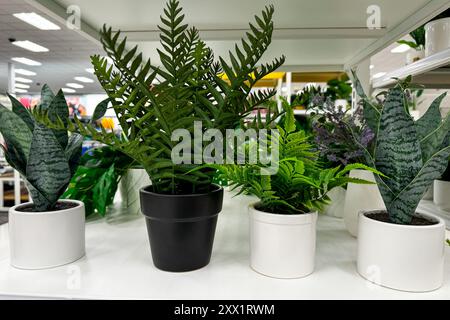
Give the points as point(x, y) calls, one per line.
point(411, 154)
point(190, 85)
point(46, 158)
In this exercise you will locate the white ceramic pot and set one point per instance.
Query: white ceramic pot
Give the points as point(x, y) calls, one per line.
point(40, 240)
point(414, 55)
point(429, 194)
point(336, 206)
point(130, 206)
point(360, 197)
point(402, 257)
point(282, 246)
point(437, 36)
point(441, 194)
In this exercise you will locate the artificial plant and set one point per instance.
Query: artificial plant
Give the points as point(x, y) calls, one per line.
point(411, 154)
point(97, 177)
point(339, 88)
point(418, 37)
point(151, 102)
point(301, 183)
point(46, 158)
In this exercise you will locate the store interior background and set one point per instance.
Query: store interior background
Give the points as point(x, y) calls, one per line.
point(320, 39)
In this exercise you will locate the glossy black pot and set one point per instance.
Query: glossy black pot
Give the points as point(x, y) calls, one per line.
point(181, 228)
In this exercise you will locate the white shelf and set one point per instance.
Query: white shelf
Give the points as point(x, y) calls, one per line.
point(421, 67)
point(429, 207)
point(118, 265)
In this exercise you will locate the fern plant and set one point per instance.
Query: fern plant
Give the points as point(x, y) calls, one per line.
point(411, 153)
point(301, 183)
point(46, 158)
point(151, 102)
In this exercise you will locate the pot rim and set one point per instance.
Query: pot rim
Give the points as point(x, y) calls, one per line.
point(253, 204)
point(440, 224)
point(15, 211)
point(190, 195)
point(281, 219)
point(431, 23)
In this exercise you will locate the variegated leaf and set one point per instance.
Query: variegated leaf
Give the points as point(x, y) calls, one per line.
point(47, 96)
point(435, 139)
point(22, 112)
point(431, 119)
point(58, 110)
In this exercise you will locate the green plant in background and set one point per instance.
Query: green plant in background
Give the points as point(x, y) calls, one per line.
point(339, 88)
point(151, 102)
point(46, 158)
point(96, 180)
point(411, 153)
point(418, 37)
point(301, 183)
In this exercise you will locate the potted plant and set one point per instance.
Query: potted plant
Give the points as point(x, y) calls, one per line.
point(437, 34)
point(339, 90)
point(417, 45)
point(441, 190)
point(283, 221)
point(181, 206)
point(46, 232)
point(401, 247)
point(335, 130)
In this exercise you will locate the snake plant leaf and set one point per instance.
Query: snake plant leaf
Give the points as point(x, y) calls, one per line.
point(431, 119)
point(15, 133)
point(404, 205)
point(57, 110)
point(47, 168)
point(73, 151)
point(47, 97)
point(100, 110)
point(398, 152)
point(13, 157)
point(22, 112)
point(41, 203)
point(435, 139)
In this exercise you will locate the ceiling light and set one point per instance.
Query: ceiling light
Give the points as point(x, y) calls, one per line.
point(22, 86)
point(378, 75)
point(84, 79)
point(25, 72)
point(371, 67)
point(36, 20)
point(90, 70)
point(401, 48)
point(75, 85)
point(30, 46)
point(23, 80)
point(68, 90)
point(20, 90)
point(26, 61)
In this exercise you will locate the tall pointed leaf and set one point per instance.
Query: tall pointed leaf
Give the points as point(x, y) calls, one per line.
point(58, 110)
point(47, 169)
point(431, 119)
point(73, 151)
point(47, 96)
point(22, 112)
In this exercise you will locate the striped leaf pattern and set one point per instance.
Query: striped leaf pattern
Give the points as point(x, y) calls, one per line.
point(431, 119)
point(58, 109)
point(22, 112)
point(397, 152)
point(47, 97)
point(47, 168)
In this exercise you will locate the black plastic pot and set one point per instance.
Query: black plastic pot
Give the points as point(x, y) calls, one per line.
point(181, 228)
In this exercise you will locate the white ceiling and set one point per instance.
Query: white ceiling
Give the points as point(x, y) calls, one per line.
point(314, 35)
point(68, 56)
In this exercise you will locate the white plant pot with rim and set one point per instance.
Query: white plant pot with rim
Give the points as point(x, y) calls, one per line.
point(360, 197)
point(401, 257)
point(337, 201)
point(40, 240)
point(441, 194)
point(282, 246)
point(437, 36)
point(414, 55)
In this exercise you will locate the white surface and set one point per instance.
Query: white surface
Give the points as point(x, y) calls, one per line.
point(282, 246)
point(408, 258)
point(360, 197)
point(437, 36)
point(441, 194)
point(118, 265)
point(430, 207)
point(46, 239)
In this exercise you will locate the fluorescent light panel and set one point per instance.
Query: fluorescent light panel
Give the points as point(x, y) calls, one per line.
point(68, 90)
point(23, 80)
point(22, 86)
point(90, 70)
point(30, 46)
point(25, 72)
point(84, 79)
point(400, 49)
point(36, 20)
point(26, 61)
point(75, 85)
point(378, 75)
